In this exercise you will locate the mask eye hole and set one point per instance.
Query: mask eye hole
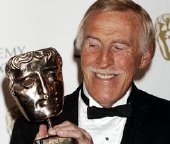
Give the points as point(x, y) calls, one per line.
point(28, 82)
point(52, 76)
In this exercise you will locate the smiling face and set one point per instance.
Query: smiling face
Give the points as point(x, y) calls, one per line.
point(37, 86)
point(111, 55)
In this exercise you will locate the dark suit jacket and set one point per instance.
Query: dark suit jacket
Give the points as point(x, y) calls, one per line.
point(148, 124)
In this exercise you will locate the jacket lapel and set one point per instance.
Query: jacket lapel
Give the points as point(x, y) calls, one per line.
point(70, 109)
point(138, 127)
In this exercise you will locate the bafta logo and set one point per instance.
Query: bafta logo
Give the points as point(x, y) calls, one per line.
point(163, 34)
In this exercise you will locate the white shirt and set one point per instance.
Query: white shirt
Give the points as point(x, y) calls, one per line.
point(108, 130)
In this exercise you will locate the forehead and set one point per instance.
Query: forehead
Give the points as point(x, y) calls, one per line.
point(35, 59)
point(110, 20)
point(38, 64)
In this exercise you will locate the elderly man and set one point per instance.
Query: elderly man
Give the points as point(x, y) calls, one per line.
point(116, 41)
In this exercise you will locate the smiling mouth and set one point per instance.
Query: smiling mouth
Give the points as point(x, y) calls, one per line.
point(105, 73)
point(106, 76)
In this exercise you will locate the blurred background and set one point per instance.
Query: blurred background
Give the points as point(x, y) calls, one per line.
point(27, 25)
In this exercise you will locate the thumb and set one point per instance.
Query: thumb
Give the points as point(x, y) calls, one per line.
point(42, 132)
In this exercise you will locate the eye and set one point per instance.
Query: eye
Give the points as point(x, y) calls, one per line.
point(28, 82)
point(94, 43)
point(119, 46)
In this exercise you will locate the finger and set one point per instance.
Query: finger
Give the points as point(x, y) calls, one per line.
point(64, 124)
point(61, 127)
point(67, 129)
point(81, 136)
point(42, 132)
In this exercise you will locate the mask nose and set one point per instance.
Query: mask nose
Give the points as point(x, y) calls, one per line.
point(44, 87)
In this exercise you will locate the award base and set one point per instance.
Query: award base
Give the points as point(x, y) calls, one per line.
point(53, 140)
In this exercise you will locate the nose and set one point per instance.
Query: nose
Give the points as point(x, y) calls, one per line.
point(43, 86)
point(105, 58)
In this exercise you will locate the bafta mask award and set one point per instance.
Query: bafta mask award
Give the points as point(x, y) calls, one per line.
point(162, 29)
point(36, 83)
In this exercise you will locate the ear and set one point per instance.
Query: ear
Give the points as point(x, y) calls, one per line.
point(146, 58)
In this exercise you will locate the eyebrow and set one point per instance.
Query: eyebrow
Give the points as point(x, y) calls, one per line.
point(51, 68)
point(122, 41)
point(88, 36)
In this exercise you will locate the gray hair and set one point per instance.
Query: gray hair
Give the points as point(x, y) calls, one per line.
point(148, 34)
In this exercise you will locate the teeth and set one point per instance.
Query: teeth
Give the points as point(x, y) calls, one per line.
point(105, 76)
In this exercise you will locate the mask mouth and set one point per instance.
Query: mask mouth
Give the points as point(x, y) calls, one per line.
point(45, 102)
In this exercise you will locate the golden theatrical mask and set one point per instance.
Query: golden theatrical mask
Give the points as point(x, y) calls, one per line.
point(36, 83)
point(163, 34)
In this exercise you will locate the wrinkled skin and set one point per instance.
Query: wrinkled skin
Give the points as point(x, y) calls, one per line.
point(110, 58)
point(111, 55)
point(66, 129)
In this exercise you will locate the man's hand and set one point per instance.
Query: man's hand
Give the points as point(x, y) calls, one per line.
point(69, 130)
point(42, 132)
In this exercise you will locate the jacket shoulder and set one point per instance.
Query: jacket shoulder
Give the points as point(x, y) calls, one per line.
point(154, 105)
